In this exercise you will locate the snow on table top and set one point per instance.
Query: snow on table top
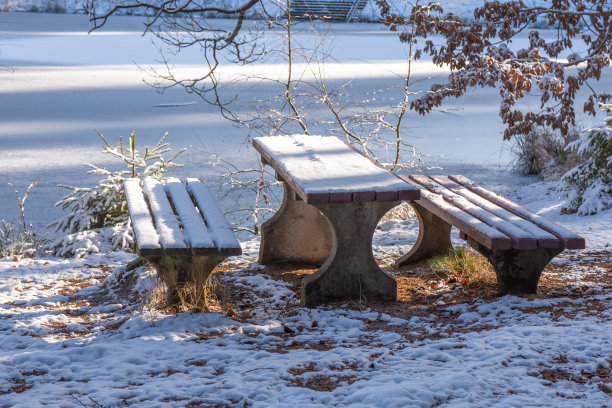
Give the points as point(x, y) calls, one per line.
point(321, 164)
point(146, 236)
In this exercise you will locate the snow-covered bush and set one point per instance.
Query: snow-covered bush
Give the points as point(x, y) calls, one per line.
point(588, 186)
point(98, 219)
point(543, 152)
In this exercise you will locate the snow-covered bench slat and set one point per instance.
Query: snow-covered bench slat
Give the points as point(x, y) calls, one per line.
point(520, 238)
point(544, 238)
point(570, 239)
point(194, 231)
point(166, 221)
point(481, 232)
point(142, 223)
point(218, 227)
point(518, 243)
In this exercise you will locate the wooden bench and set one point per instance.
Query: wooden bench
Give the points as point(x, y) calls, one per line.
point(334, 198)
point(179, 229)
point(517, 242)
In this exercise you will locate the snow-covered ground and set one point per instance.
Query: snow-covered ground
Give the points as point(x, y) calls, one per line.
point(77, 333)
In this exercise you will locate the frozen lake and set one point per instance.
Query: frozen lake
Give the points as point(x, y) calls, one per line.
point(58, 84)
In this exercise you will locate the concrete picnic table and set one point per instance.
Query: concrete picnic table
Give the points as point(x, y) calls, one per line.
point(333, 199)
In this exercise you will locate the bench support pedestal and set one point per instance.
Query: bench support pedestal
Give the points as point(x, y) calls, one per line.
point(350, 271)
point(518, 271)
point(176, 271)
point(434, 237)
point(296, 233)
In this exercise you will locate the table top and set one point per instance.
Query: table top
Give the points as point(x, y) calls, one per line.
point(328, 170)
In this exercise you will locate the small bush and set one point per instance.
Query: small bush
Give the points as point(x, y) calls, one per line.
point(544, 153)
point(588, 186)
point(98, 216)
point(14, 241)
point(20, 240)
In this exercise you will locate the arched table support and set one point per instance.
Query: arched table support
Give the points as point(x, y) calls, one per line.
point(350, 271)
point(433, 239)
point(296, 233)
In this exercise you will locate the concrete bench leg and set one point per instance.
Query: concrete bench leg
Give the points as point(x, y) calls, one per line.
point(350, 271)
point(176, 271)
point(296, 233)
point(518, 271)
point(434, 237)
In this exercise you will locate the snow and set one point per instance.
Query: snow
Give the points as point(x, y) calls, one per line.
point(219, 229)
point(542, 221)
point(194, 231)
point(500, 212)
point(72, 335)
point(321, 164)
point(77, 332)
point(146, 236)
point(166, 222)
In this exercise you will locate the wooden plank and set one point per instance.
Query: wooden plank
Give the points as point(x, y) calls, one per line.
point(520, 239)
point(570, 239)
point(166, 224)
point(544, 238)
point(219, 229)
point(195, 233)
point(340, 197)
point(146, 236)
point(387, 196)
point(481, 232)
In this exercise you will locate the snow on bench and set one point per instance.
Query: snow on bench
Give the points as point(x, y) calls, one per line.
point(166, 221)
point(328, 170)
point(487, 217)
point(517, 242)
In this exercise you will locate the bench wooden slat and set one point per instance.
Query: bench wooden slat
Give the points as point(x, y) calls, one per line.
point(195, 232)
point(220, 231)
point(481, 232)
point(166, 223)
point(570, 239)
point(545, 239)
point(142, 223)
point(520, 239)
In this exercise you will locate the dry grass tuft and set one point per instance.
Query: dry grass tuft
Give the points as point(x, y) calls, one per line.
point(399, 212)
point(194, 297)
point(463, 265)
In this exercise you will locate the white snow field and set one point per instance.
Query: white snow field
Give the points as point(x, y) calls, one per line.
point(79, 332)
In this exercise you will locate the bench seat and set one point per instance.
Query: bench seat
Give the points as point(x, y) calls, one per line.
point(179, 229)
point(518, 242)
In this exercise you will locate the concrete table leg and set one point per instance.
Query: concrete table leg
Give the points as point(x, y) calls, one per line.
point(350, 272)
point(296, 233)
point(176, 271)
point(518, 271)
point(434, 237)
